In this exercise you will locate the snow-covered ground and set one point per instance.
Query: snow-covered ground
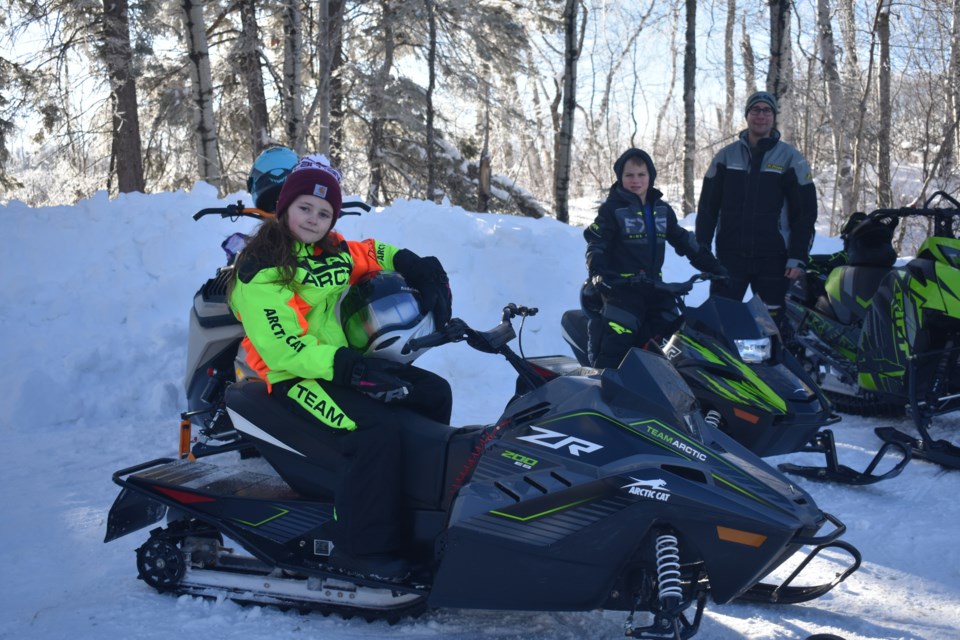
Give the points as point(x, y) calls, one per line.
point(93, 321)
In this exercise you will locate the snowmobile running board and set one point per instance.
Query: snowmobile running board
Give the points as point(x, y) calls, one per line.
point(823, 442)
point(939, 452)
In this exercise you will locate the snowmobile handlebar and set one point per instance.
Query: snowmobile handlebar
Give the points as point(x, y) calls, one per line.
point(675, 289)
point(945, 219)
point(238, 210)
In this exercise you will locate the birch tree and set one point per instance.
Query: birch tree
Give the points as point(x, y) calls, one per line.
point(884, 185)
point(561, 169)
point(201, 85)
point(689, 107)
point(842, 152)
point(779, 73)
point(730, 93)
point(291, 92)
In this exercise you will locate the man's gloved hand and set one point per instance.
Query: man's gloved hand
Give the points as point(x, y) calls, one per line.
point(375, 377)
point(708, 263)
point(429, 278)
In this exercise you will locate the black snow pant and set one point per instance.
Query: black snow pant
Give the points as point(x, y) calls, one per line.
point(764, 275)
point(629, 317)
point(369, 496)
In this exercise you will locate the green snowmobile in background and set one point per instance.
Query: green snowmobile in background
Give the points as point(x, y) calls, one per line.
point(884, 340)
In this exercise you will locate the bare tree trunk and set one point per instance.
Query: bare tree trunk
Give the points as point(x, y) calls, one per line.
point(842, 153)
point(884, 186)
point(672, 81)
point(952, 142)
point(377, 107)
point(561, 167)
point(730, 82)
point(329, 98)
point(749, 66)
point(431, 84)
point(292, 100)
point(204, 124)
point(689, 108)
point(249, 64)
point(118, 59)
point(779, 74)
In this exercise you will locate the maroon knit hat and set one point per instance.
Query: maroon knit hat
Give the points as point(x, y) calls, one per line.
point(313, 176)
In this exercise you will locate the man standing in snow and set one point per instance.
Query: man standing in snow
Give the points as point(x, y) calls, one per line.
point(759, 198)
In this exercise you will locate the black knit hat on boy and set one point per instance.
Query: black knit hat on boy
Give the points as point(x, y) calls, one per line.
point(313, 176)
point(761, 96)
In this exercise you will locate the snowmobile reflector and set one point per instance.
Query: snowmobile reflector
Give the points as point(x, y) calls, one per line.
point(741, 537)
point(185, 437)
point(745, 416)
point(184, 496)
point(754, 350)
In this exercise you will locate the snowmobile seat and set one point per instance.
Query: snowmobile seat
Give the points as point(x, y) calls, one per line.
point(849, 292)
point(870, 243)
point(312, 467)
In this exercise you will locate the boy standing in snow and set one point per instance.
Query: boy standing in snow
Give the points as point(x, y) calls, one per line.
point(627, 239)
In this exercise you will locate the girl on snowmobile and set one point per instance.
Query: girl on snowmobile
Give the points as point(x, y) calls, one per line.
point(289, 279)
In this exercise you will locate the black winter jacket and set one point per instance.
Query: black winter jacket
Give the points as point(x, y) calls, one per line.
point(618, 242)
point(761, 205)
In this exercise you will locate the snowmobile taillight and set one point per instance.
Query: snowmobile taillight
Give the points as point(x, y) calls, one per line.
point(741, 537)
point(754, 350)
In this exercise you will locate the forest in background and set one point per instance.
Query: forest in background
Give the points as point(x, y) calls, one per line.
point(510, 106)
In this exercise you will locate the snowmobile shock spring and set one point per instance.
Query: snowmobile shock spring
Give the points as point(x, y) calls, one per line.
point(713, 418)
point(668, 568)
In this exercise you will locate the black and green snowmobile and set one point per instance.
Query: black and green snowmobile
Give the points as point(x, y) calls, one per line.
point(747, 384)
point(882, 339)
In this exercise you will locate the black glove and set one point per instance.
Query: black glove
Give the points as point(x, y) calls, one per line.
point(429, 278)
point(375, 377)
point(708, 263)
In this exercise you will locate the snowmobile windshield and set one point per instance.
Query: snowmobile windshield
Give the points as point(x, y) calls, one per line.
point(734, 319)
point(647, 382)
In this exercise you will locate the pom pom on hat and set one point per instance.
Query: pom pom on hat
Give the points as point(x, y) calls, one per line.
point(313, 176)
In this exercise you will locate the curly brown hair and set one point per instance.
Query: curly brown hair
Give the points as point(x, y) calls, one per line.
point(272, 246)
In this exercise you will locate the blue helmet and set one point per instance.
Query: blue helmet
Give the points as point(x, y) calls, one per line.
point(266, 178)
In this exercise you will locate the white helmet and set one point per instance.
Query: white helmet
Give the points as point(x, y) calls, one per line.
point(381, 313)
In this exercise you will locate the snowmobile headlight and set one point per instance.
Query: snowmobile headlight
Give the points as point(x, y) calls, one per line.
point(754, 350)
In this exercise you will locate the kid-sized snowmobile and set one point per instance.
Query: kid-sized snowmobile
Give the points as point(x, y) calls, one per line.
point(884, 339)
point(214, 338)
point(592, 490)
point(747, 384)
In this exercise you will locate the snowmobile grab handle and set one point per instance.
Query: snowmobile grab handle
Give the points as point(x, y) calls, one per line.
point(237, 210)
point(829, 537)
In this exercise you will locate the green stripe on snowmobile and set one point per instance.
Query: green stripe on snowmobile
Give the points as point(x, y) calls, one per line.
point(542, 513)
point(280, 512)
point(761, 394)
